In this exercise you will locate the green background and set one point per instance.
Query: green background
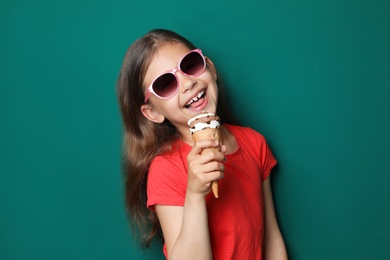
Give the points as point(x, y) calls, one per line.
point(312, 76)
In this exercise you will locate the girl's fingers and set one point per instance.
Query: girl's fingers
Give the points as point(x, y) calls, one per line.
point(201, 183)
point(210, 167)
point(211, 155)
point(202, 144)
point(205, 167)
point(223, 149)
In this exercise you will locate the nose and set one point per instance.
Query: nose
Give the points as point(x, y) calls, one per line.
point(185, 82)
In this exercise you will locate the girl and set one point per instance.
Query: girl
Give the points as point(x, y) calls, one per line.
point(163, 82)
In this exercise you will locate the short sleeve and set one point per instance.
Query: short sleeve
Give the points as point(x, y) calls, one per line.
point(267, 159)
point(256, 146)
point(167, 182)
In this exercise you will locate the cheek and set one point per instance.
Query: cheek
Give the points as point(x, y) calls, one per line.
point(209, 77)
point(168, 107)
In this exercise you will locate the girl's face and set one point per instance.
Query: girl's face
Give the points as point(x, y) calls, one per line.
point(195, 94)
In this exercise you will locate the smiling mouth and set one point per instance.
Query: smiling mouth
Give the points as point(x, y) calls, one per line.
point(195, 99)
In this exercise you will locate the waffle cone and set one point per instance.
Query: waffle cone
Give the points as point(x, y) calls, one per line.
point(207, 134)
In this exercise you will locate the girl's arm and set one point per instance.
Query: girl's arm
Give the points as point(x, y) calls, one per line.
point(274, 248)
point(185, 229)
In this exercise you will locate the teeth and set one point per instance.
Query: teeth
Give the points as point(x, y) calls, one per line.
point(195, 98)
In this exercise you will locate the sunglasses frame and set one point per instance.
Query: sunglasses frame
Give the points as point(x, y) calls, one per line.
point(150, 90)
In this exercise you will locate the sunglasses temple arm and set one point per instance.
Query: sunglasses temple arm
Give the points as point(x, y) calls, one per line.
point(147, 95)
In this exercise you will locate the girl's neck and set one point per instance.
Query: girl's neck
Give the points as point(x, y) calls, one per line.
point(228, 140)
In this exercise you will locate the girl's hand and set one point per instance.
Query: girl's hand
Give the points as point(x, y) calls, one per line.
point(204, 168)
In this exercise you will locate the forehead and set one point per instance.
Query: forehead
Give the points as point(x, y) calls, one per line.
point(164, 59)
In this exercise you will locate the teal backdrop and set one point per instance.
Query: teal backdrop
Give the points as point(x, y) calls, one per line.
point(312, 76)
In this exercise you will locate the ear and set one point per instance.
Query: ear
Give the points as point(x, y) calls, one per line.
point(211, 67)
point(151, 114)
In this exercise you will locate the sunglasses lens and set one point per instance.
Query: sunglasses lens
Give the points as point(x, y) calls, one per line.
point(192, 64)
point(165, 85)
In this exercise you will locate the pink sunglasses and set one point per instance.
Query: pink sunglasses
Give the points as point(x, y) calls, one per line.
point(166, 85)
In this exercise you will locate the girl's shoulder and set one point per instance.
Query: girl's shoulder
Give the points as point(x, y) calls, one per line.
point(176, 153)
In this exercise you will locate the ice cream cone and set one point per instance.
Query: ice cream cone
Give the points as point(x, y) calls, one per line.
point(203, 129)
point(206, 134)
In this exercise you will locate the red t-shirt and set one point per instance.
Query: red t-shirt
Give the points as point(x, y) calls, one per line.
point(236, 217)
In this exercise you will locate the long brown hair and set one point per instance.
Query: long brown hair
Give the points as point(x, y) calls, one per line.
point(143, 139)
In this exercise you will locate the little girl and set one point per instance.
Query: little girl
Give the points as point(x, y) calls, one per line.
point(164, 81)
